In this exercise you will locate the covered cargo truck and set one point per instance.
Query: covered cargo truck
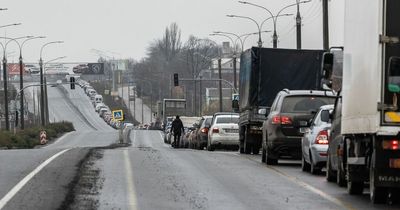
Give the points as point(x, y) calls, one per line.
point(263, 73)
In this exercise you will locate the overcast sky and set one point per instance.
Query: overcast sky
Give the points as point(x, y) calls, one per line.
point(124, 28)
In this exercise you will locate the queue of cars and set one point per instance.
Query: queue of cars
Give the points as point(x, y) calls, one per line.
point(297, 126)
point(99, 107)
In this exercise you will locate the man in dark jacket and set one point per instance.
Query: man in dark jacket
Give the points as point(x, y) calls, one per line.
point(177, 129)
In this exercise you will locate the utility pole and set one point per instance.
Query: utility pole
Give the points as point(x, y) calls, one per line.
point(325, 23)
point(21, 86)
point(46, 101)
point(42, 119)
point(220, 83)
point(298, 26)
point(6, 93)
point(234, 71)
point(201, 97)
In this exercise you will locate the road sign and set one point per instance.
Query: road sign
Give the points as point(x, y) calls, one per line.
point(43, 137)
point(235, 97)
point(118, 115)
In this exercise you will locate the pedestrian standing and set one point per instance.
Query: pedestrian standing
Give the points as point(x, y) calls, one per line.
point(177, 129)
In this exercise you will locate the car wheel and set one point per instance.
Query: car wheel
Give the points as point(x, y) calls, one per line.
point(330, 176)
point(210, 148)
point(304, 165)
point(270, 160)
point(263, 156)
point(313, 167)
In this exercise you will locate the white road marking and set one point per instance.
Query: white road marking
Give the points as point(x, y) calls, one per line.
point(313, 189)
point(132, 201)
point(26, 179)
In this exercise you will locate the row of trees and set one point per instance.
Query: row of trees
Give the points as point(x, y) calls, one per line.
point(168, 55)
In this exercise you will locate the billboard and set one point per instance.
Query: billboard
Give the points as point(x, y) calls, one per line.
point(94, 68)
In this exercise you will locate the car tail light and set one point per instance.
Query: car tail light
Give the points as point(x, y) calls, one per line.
point(390, 144)
point(215, 130)
point(322, 137)
point(284, 120)
point(204, 130)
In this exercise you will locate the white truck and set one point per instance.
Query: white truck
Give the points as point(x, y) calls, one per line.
point(370, 105)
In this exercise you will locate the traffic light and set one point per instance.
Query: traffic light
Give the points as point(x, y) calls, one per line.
point(72, 82)
point(176, 80)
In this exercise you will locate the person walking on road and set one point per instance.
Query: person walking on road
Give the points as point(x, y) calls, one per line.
point(178, 130)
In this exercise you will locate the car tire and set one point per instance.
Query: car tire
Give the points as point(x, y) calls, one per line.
point(210, 148)
point(304, 165)
point(264, 156)
point(313, 167)
point(247, 148)
point(330, 176)
point(270, 160)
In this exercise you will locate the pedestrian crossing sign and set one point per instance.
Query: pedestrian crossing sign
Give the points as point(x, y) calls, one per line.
point(118, 115)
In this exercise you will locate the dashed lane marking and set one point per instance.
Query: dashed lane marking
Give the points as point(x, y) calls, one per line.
point(131, 196)
point(26, 179)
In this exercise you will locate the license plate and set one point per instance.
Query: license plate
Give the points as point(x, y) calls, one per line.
point(394, 163)
point(303, 123)
point(302, 130)
point(232, 130)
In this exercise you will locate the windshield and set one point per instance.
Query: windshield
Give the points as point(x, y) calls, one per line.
point(305, 103)
point(227, 120)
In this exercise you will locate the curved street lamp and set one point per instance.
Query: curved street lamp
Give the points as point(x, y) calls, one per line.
point(8, 25)
point(4, 47)
point(21, 78)
point(275, 18)
point(43, 121)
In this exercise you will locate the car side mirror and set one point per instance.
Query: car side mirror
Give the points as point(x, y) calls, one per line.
point(394, 75)
point(327, 65)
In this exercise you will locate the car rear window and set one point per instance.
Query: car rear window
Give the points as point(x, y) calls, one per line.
point(305, 103)
point(207, 122)
point(227, 119)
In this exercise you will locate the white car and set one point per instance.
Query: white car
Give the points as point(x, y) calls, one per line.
point(100, 106)
point(224, 131)
point(314, 144)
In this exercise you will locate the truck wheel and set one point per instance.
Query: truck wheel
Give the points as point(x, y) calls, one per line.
point(377, 194)
point(256, 150)
point(210, 148)
point(263, 155)
point(355, 188)
point(304, 165)
point(247, 148)
point(340, 177)
point(241, 147)
point(330, 176)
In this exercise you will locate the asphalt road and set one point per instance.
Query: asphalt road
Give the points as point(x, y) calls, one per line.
point(23, 186)
point(152, 175)
point(85, 169)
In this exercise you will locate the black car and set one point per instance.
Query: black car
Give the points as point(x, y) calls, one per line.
point(287, 121)
point(334, 165)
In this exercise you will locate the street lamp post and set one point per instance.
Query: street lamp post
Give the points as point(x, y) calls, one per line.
point(42, 111)
point(275, 18)
point(5, 79)
point(21, 77)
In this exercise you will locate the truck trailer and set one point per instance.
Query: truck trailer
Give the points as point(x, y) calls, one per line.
point(263, 73)
point(370, 122)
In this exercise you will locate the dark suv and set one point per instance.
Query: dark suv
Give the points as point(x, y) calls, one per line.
point(287, 121)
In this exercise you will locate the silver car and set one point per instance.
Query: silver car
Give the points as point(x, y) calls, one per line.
point(315, 143)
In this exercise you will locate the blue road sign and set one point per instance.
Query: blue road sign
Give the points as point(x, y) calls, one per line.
point(118, 115)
